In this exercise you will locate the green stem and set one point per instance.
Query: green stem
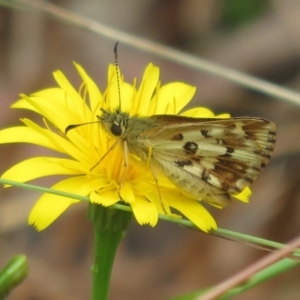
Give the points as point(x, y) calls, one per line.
point(109, 230)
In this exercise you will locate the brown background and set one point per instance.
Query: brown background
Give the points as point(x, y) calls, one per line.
point(260, 38)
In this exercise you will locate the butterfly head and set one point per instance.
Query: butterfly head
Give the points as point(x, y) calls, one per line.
point(114, 122)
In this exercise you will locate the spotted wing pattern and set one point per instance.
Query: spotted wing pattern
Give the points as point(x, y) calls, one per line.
point(209, 159)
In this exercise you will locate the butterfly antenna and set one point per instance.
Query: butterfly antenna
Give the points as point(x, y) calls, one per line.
point(117, 73)
point(72, 126)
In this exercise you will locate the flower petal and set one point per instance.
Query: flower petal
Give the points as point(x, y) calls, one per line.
point(203, 112)
point(145, 91)
point(171, 98)
point(49, 207)
point(62, 145)
point(24, 134)
point(153, 197)
point(144, 211)
point(106, 196)
point(198, 112)
point(126, 193)
point(51, 95)
point(95, 95)
point(43, 166)
point(193, 210)
point(118, 91)
point(223, 116)
point(60, 113)
point(74, 101)
point(244, 195)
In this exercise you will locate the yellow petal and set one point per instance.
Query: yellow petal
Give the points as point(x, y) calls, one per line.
point(61, 113)
point(118, 91)
point(51, 95)
point(199, 112)
point(43, 166)
point(75, 101)
point(223, 116)
point(61, 144)
point(203, 112)
point(193, 210)
point(153, 197)
point(95, 95)
point(105, 196)
point(144, 211)
point(244, 195)
point(171, 98)
point(49, 207)
point(146, 90)
point(95, 184)
point(126, 193)
point(24, 134)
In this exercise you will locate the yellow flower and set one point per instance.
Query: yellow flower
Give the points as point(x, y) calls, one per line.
point(84, 146)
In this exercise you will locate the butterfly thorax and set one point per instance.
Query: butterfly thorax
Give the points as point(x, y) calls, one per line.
point(114, 122)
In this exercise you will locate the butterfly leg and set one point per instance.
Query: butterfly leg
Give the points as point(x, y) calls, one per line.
point(125, 166)
point(164, 205)
point(108, 151)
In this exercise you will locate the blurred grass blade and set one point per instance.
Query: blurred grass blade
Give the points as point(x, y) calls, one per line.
point(268, 273)
point(160, 50)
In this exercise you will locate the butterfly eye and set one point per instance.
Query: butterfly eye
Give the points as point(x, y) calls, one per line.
point(116, 129)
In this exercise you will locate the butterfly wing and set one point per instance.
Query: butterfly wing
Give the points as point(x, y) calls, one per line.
point(209, 159)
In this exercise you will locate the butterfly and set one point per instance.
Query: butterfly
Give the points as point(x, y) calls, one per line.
point(207, 159)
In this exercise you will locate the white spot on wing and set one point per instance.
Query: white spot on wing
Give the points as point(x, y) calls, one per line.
point(206, 149)
point(208, 164)
point(241, 184)
point(192, 135)
point(213, 180)
point(195, 170)
point(238, 128)
point(216, 132)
